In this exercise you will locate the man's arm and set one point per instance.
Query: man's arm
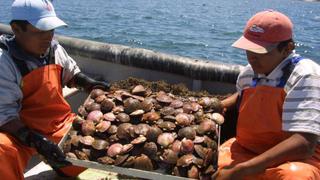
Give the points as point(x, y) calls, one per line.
point(230, 101)
point(72, 76)
point(298, 146)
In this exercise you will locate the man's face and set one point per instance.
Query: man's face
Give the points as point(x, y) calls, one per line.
point(265, 63)
point(33, 40)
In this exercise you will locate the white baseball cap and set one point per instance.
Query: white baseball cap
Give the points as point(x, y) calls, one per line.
point(39, 13)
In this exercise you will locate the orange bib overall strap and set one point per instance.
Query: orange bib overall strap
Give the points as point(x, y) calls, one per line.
point(43, 107)
point(259, 128)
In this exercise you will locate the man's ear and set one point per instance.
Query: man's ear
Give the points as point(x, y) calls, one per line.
point(16, 29)
point(291, 45)
point(288, 49)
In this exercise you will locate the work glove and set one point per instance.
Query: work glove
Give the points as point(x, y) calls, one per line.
point(88, 84)
point(49, 150)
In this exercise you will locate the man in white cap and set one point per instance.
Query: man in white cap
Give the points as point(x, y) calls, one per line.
point(34, 68)
point(278, 94)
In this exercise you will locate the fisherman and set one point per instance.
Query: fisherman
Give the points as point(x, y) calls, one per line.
point(278, 103)
point(34, 68)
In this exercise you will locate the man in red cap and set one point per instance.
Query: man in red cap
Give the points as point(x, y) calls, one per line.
point(278, 94)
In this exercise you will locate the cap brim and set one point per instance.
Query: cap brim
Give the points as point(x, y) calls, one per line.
point(254, 46)
point(48, 23)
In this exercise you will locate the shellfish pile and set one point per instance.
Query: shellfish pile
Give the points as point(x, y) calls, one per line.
point(147, 130)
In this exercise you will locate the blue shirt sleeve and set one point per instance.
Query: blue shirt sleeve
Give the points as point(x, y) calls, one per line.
point(10, 92)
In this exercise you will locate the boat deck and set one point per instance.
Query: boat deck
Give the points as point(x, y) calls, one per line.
point(37, 169)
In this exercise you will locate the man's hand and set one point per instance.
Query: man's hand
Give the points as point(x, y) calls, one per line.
point(100, 85)
point(230, 101)
point(88, 84)
point(229, 173)
point(45, 147)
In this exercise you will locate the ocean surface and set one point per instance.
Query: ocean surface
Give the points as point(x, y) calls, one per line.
point(202, 29)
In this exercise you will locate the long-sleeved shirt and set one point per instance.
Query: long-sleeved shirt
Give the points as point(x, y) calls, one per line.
point(10, 77)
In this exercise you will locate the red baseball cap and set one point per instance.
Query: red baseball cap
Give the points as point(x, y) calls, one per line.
point(264, 31)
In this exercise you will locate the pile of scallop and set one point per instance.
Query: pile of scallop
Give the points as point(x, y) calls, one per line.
point(149, 130)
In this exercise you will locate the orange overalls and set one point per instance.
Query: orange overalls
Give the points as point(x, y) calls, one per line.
point(259, 128)
point(44, 110)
